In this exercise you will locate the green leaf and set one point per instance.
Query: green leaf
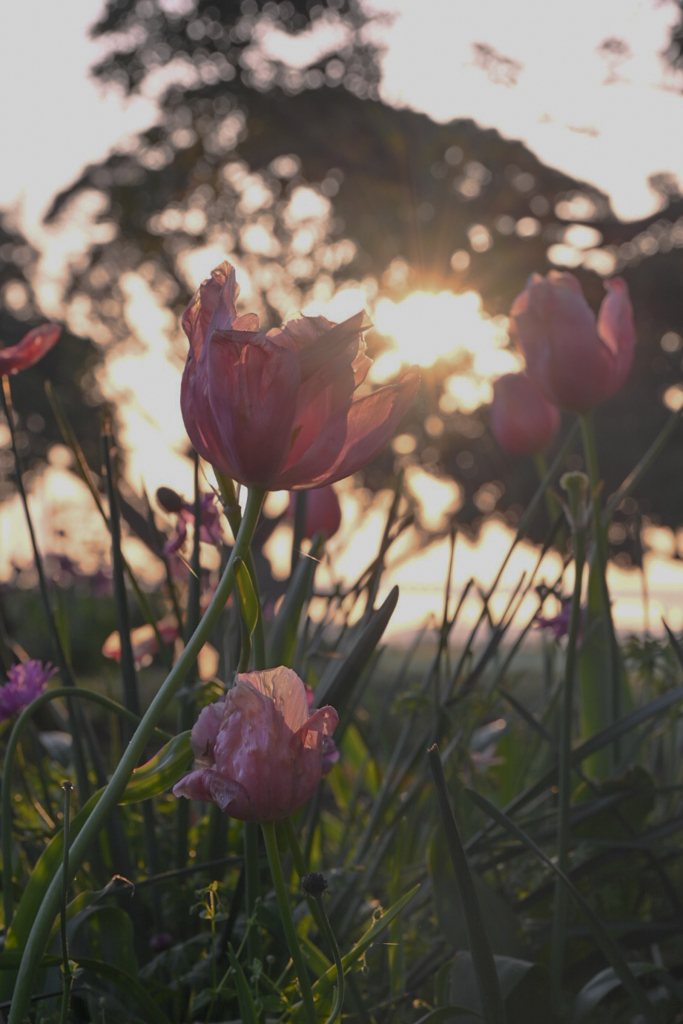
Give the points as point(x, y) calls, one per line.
point(286, 625)
point(602, 937)
point(446, 1013)
point(500, 920)
point(323, 986)
point(525, 988)
point(161, 772)
point(594, 991)
point(155, 777)
point(248, 1014)
point(131, 986)
point(246, 597)
point(482, 956)
point(337, 681)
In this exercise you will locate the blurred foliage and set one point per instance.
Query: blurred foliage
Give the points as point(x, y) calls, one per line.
point(69, 366)
point(310, 181)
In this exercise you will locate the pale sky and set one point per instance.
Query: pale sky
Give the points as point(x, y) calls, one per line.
point(54, 118)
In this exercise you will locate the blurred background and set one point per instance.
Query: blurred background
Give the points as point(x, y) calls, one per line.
point(418, 160)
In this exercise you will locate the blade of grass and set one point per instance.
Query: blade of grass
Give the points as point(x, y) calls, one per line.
point(480, 946)
point(602, 937)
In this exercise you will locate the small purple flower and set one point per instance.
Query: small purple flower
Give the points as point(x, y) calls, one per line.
point(210, 530)
point(559, 624)
point(24, 682)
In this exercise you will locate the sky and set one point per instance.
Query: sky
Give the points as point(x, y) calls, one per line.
point(54, 118)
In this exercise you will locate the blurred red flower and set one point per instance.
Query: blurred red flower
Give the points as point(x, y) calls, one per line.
point(523, 421)
point(576, 362)
point(32, 347)
point(323, 511)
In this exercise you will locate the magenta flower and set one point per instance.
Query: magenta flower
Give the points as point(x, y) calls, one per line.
point(32, 347)
point(210, 530)
point(323, 511)
point(330, 749)
point(559, 624)
point(25, 681)
point(278, 410)
point(575, 362)
point(258, 753)
point(523, 421)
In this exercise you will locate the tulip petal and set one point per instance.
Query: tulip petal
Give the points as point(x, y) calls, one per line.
point(218, 291)
point(284, 689)
point(617, 330)
point(523, 421)
point(557, 332)
point(32, 347)
point(208, 784)
point(370, 422)
point(205, 731)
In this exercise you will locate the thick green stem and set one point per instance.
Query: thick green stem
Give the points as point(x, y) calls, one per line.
point(41, 926)
point(282, 896)
point(600, 543)
point(565, 769)
point(551, 504)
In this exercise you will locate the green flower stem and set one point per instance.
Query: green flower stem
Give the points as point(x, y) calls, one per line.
point(67, 974)
point(282, 896)
point(15, 736)
point(76, 724)
point(332, 942)
point(565, 769)
point(43, 922)
point(551, 503)
point(234, 516)
point(600, 537)
point(250, 830)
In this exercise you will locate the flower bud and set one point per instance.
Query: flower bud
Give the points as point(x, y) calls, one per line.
point(576, 362)
point(323, 511)
point(523, 421)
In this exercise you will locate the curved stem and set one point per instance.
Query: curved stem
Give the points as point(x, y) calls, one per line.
point(119, 780)
point(268, 828)
point(600, 541)
point(67, 975)
point(329, 935)
point(565, 770)
point(12, 744)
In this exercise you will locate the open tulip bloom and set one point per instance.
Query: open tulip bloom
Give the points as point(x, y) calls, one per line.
point(259, 755)
point(278, 411)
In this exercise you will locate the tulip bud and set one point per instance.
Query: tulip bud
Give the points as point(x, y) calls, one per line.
point(576, 362)
point(323, 511)
point(523, 421)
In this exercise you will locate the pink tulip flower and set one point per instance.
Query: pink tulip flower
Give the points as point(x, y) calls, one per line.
point(278, 410)
point(523, 421)
point(32, 347)
point(323, 511)
point(25, 682)
point(258, 754)
point(576, 362)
